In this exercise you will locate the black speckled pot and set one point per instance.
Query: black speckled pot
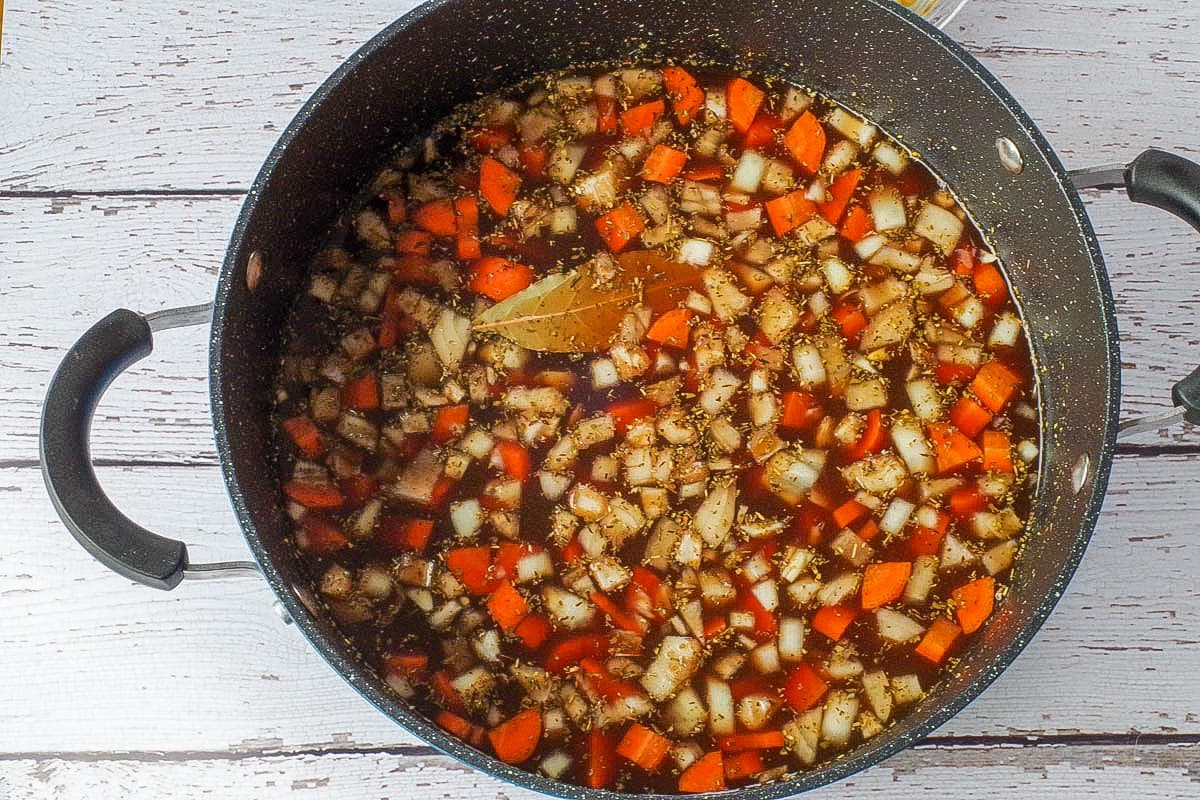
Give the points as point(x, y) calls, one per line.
point(869, 54)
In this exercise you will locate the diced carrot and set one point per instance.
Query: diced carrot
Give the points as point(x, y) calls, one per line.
point(762, 131)
point(533, 631)
point(765, 623)
point(810, 523)
point(714, 626)
point(397, 213)
point(701, 173)
point(606, 110)
point(305, 434)
point(840, 192)
point(873, 439)
point(997, 452)
point(472, 566)
point(832, 621)
point(952, 448)
point(973, 603)
point(948, 373)
point(851, 319)
point(849, 511)
point(868, 530)
point(358, 489)
point(516, 740)
point(994, 385)
point(450, 422)
point(441, 684)
point(672, 329)
point(441, 493)
point(925, 542)
point(410, 665)
point(600, 769)
point(620, 618)
point(656, 589)
point(789, 211)
point(515, 458)
point(571, 649)
point(533, 160)
point(743, 99)
point(801, 410)
point(883, 583)
point(489, 140)
point(966, 501)
point(314, 495)
point(466, 242)
point(361, 393)
point(604, 683)
point(643, 747)
point(969, 416)
point(457, 726)
point(939, 638)
point(620, 226)
point(507, 606)
point(663, 164)
point(990, 285)
point(498, 184)
point(858, 224)
point(413, 243)
point(573, 551)
point(743, 765)
point(319, 536)
point(805, 140)
point(705, 775)
point(437, 217)
point(640, 119)
point(627, 412)
point(417, 533)
point(759, 740)
point(687, 98)
point(499, 278)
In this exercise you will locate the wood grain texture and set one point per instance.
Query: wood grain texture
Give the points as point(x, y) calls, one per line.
point(80, 642)
point(996, 773)
point(148, 253)
point(159, 94)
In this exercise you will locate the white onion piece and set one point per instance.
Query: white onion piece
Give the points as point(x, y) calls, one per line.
point(868, 246)
point(450, 337)
point(466, 516)
point(1006, 332)
point(810, 368)
point(838, 157)
point(920, 580)
point(887, 209)
point(890, 157)
point(909, 440)
point(564, 163)
point(714, 102)
point(723, 386)
point(748, 173)
point(939, 226)
point(721, 716)
point(897, 627)
point(841, 588)
point(897, 259)
point(924, 398)
point(803, 734)
point(896, 516)
point(686, 713)
point(747, 220)
point(815, 192)
point(714, 518)
point(850, 126)
point(1027, 451)
point(567, 609)
point(954, 553)
point(697, 252)
point(837, 275)
point(879, 696)
point(838, 721)
point(1000, 557)
point(906, 689)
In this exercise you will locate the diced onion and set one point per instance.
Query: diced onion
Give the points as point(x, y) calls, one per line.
point(920, 580)
point(897, 627)
point(939, 226)
point(837, 275)
point(837, 724)
point(1006, 332)
point(887, 209)
point(697, 252)
point(896, 516)
point(868, 246)
point(721, 717)
point(923, 395)
point(909, 440)
point(890, 157)
point(879, 696)
point(676, 660)
point(748, 173)
point(850, 126)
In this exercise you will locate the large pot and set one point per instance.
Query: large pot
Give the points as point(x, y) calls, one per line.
point(868, 54)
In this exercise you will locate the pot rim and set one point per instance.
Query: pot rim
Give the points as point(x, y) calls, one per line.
point(862, 757)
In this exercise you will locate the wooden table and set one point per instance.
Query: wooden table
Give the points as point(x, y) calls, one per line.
point(128, 134)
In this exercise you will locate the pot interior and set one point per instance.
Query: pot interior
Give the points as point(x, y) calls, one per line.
point(872, 56)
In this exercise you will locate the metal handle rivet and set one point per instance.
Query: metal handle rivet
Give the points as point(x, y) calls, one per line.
point(1010, 156)
point(1079, 473)
point(254, 270)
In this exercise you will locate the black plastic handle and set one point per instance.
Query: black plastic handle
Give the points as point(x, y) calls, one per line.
point(108, 348)
point(1170, 182)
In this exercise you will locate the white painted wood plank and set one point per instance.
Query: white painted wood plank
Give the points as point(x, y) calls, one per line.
point(73, 260)
point(164, 94)
point(93, 663)
point(984, 773)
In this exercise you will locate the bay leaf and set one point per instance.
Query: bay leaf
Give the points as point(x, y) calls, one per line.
point(579, 311)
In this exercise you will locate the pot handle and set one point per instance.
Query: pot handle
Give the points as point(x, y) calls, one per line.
point(101, 354)
point(1170, 182)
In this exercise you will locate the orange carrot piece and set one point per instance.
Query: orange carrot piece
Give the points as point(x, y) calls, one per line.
point(467, 241)
point(994, 385)
point(801, 410)
point(450, 422)
point(413, 243)
point(762, 131)
point(925, 542)
point(515, 458)
point(858, 224)
point(606, 108)
point(305, 434)
point(397, 212)
point(601, 767)
point(873, 439)
point(687, 98)
point(417, 533)
point(789, 211)
point(533, 160)
point(643, 747)
point(849, 511)
point(989, 284)
point(805, 140)
point(620, 226)
point(663, 164)
point(620, 618)
point(507, 606)
point(672, 328)
point(489, 140)
point(743, 765)
point(970, 417)
point(868, 530)
point(569, 651)
point(966, 501)
point(471, 566)
point(851, 319)
point(457, 726)
point(361, 393)
point(627, 412)
point(973, 603)
point(743, 99)
point(997, 452)
point(516, 740)
point(705, 775)
point(640, 119)
point(498, 184)
point(758, 740)
point(951, 447)
point(840, 192)
point(948, 373)
point(499, 278)
point(832, 621)
point(939, 638)
point(533, 631)
point(884, 583)
point(437, 217)
point(705, 172)
point(319, 536)
point(314, 495)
